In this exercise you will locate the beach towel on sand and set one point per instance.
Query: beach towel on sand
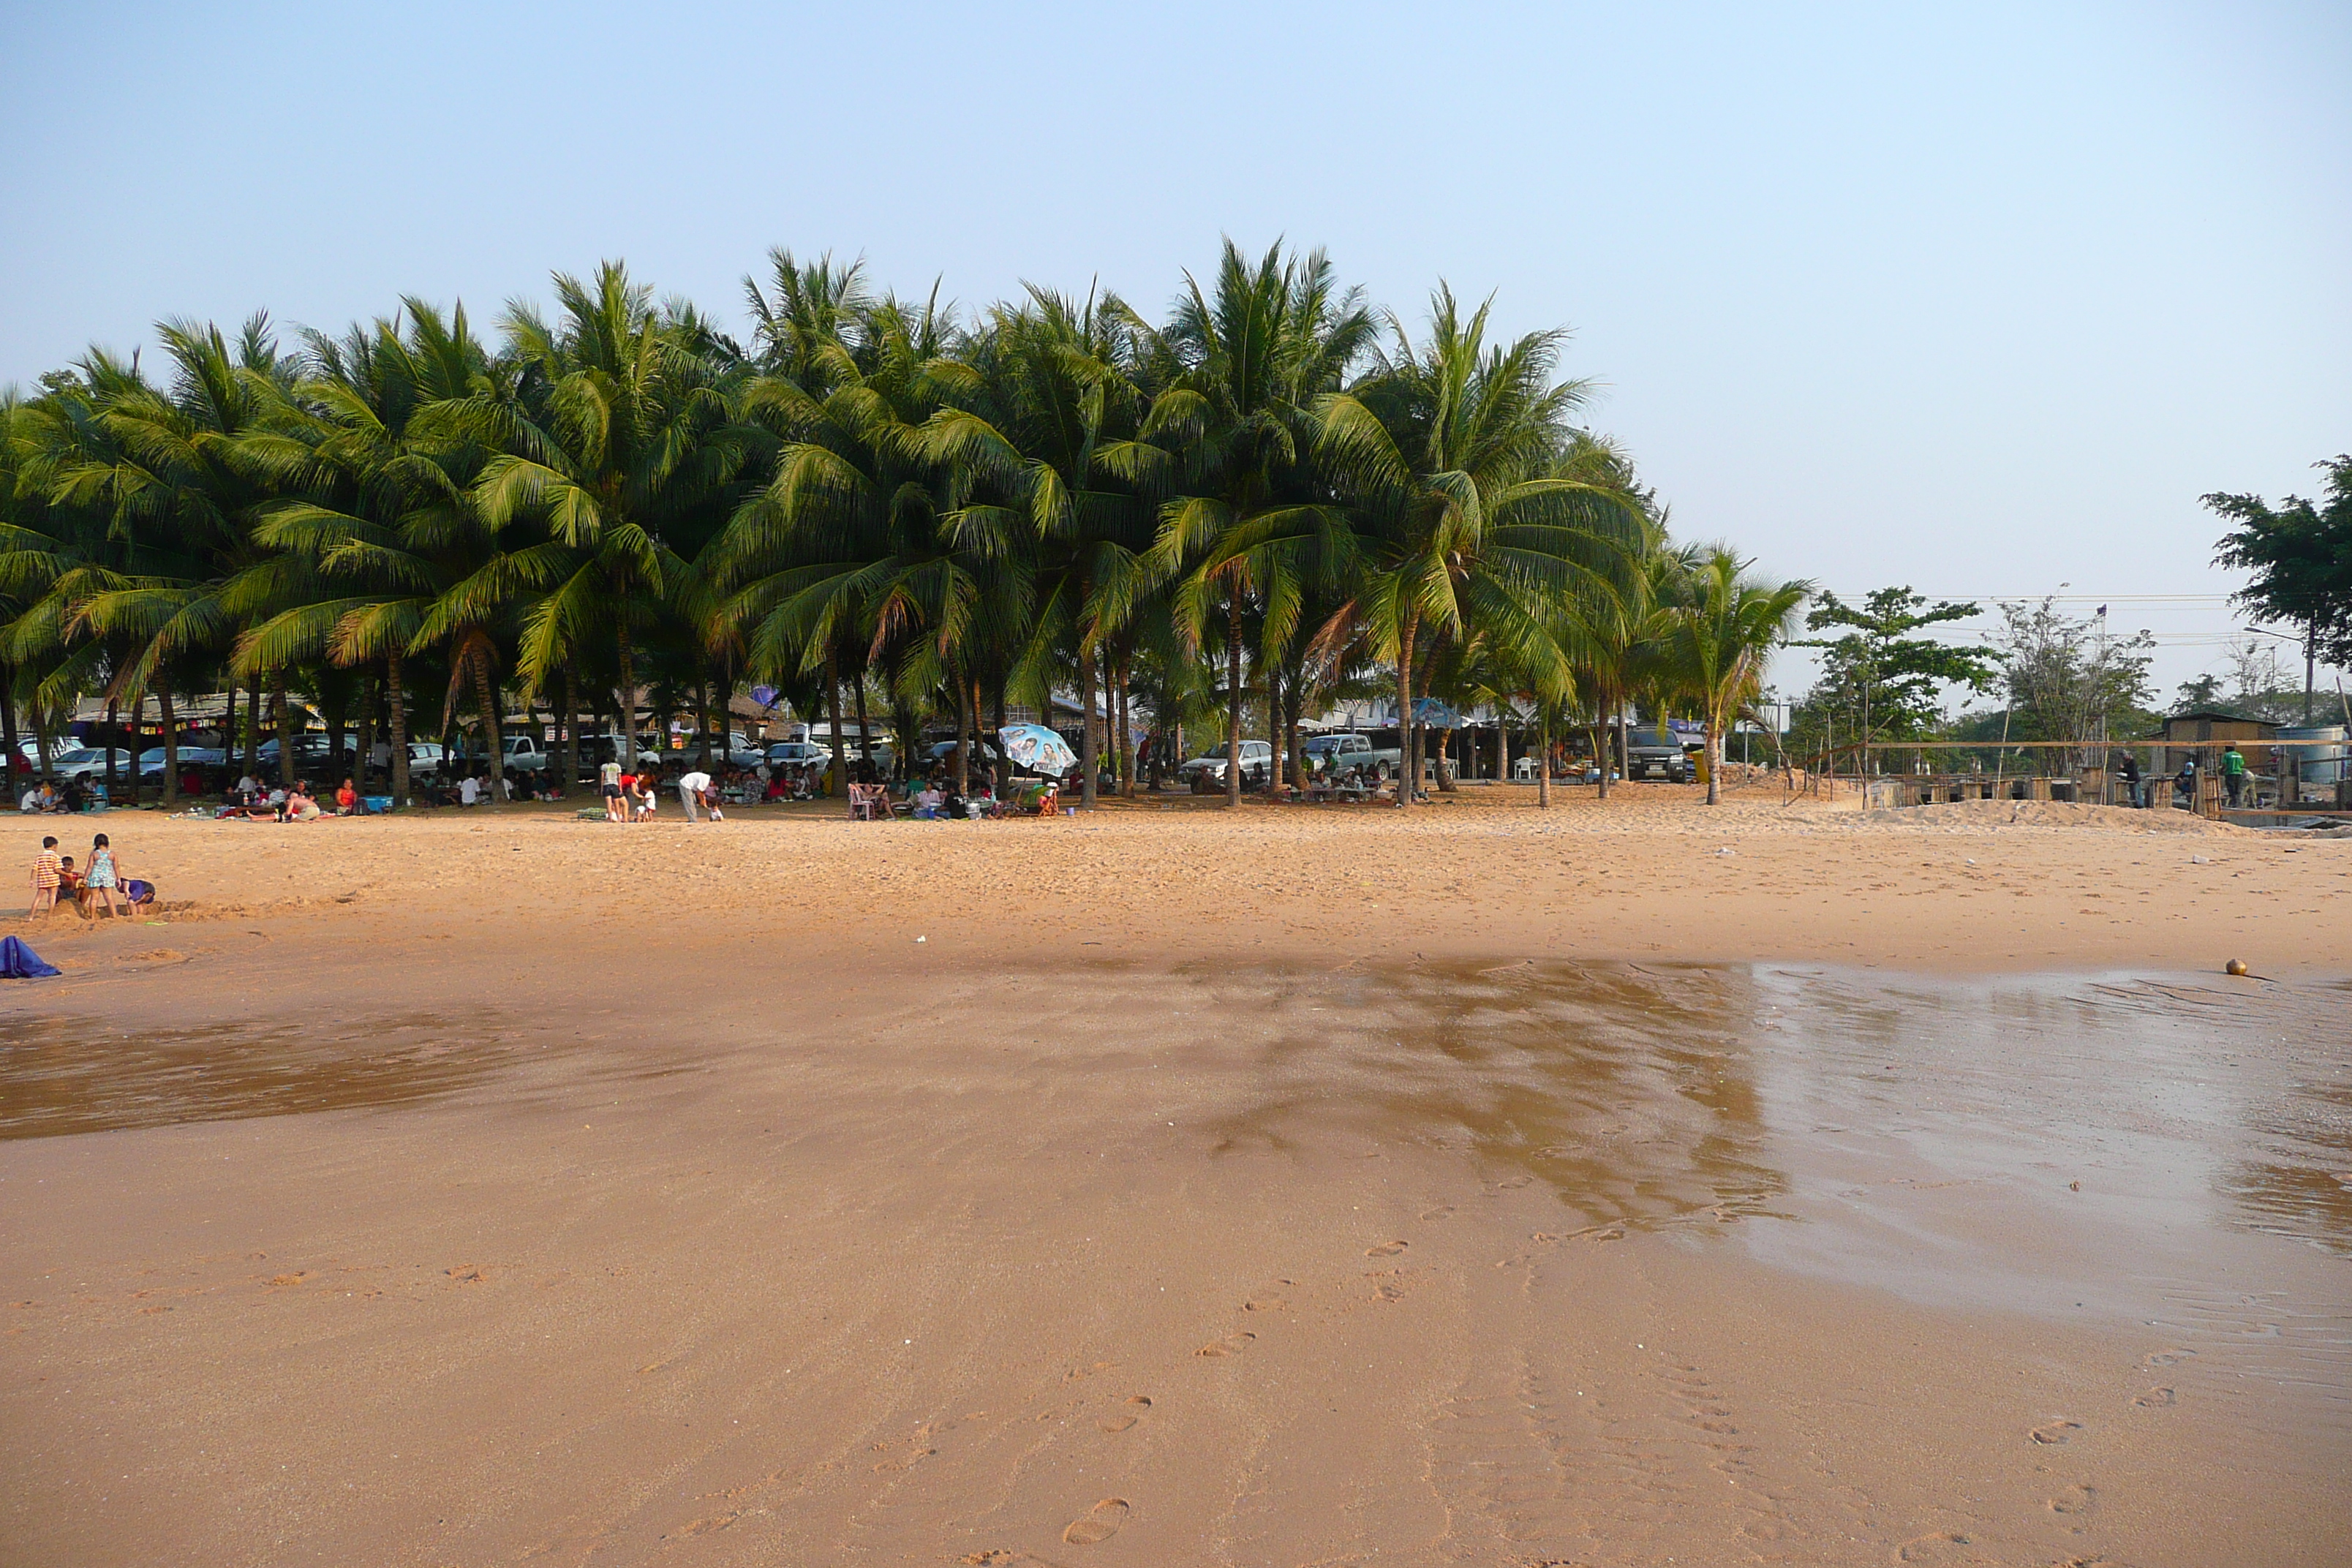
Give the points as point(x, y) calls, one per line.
point(19, 961)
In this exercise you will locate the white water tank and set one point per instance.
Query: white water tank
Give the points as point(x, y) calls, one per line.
point(2319, 767)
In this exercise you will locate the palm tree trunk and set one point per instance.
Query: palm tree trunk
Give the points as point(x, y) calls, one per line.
point(369, 692)
point(625, 708)
point(395, 716)
point(252, 728)
point(285, 714)
point(8, 729)
point(570, 731)
point(865, 729)
point(1543, 758)
point(1714, 761)
point(171, 747)
point(702, 711)
point(1404, 716)
point(1234, 698)
point(1123, 746)
point(486, 694)
point(1088, 756)
point(1293, 714)
point(839, 772)
point(965, 690)
point(113, 733)
point(336, 713)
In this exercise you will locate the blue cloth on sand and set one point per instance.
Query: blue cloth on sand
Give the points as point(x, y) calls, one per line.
point(19, 961)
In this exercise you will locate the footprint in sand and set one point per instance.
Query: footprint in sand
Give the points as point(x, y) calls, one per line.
point(2055, 1431)
point(2156, 1399)
point(1098, 1524)
point(1385, 1249)
point(1947, 1546)
point(1121, 1420)
point(1387, 1293)
point(2074, 1503)
point(1232, 1344)
point(2165, 1358)
point(1265, 1302)
point(1601, 1233)
point(1440, 1212)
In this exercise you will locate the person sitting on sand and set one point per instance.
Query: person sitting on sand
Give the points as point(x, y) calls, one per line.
point(928, 803)
point(46, 878)
point(298, 805)
point(347, 799)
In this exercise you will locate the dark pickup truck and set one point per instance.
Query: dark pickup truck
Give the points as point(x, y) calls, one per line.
point(1658, 759)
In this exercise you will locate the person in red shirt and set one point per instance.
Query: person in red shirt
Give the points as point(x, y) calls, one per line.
point(347, 800)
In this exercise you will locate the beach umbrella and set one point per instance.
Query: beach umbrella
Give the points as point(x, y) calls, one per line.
point(1036, 748)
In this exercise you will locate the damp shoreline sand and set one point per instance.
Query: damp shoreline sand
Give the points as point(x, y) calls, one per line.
point(1155, 1207)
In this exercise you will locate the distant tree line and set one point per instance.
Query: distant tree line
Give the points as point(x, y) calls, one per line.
point(1267, 496)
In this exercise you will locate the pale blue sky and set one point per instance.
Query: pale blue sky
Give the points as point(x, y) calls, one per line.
point(1981, 298)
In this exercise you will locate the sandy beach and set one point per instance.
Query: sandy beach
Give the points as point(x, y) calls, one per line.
point(1628, 1182)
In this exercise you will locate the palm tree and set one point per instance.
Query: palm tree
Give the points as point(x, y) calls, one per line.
point(1453, 456)
point(1715, 642)
point(847, 554)
point(619, 424)
point(376, 524)
point(1253, 518)
point(167, 469)
point(1042, 458)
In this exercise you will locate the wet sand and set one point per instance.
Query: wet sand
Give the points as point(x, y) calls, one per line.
point(1311, 1188)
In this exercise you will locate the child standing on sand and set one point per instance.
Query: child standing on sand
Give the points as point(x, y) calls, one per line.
point(101, 883)
point(45, 878)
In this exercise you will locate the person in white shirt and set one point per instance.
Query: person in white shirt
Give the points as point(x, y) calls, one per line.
point(469, 791)
point(690, 787)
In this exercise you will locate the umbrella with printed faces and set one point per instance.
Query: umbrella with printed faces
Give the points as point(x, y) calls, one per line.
point(1431, 714)
point(1038, 749)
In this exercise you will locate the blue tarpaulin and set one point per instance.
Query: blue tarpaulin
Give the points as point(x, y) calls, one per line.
point(19, 961)
point(1430, 714)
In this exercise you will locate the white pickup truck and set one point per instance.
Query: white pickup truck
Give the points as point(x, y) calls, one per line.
point(1351, 753)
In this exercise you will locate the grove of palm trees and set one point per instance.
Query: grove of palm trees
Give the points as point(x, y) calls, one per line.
point(1231, 515)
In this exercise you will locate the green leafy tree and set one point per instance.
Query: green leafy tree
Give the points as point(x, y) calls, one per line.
point(2068, 679)
point(2301, 556)
point(1880, 681)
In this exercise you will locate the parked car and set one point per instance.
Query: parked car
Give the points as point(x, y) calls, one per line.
point(309, 751)
point(1206, 771)
point(29, 750)
point(798, 754)
point(942, 755)
point(1352, 753)
point(150, 761)
point(86, 762)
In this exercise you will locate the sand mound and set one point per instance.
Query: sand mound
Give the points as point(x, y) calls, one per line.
point(2047, 814)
